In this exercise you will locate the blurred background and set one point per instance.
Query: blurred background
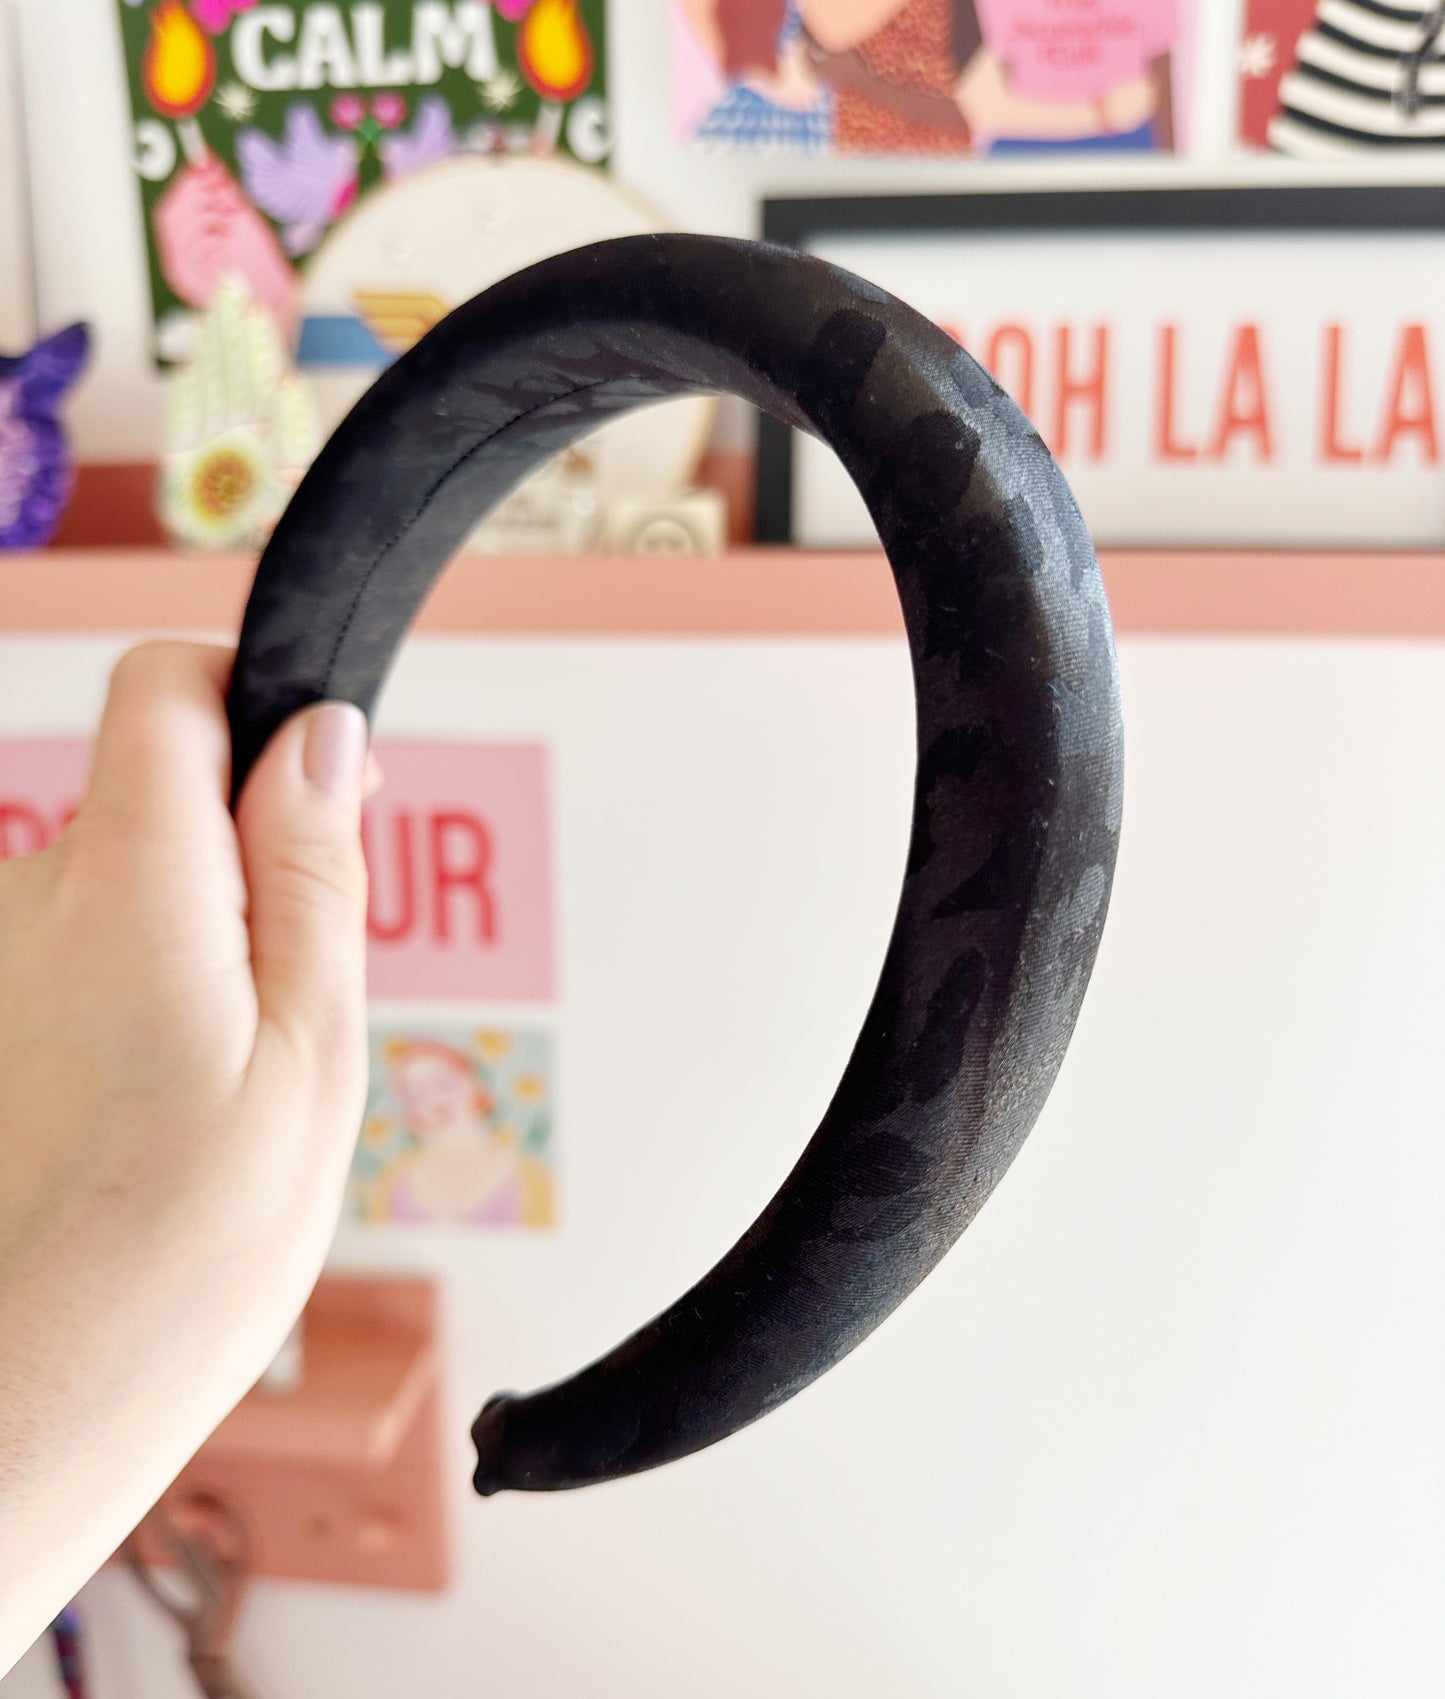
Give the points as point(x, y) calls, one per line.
point(1168, 1419)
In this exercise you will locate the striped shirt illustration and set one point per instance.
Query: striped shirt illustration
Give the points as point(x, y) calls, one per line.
point(1366, 75)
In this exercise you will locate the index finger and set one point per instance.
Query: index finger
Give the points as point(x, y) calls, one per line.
point(163, 753)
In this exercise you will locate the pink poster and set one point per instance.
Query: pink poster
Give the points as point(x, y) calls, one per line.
point(457, 843)
point(461, 879)
point(41, 784)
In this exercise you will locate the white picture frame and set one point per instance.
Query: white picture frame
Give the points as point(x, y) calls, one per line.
point(1269, 354)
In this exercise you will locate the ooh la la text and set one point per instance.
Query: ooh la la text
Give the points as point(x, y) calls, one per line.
point(1360, 413)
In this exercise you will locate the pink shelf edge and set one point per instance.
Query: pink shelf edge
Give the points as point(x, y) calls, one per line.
point(746, 592)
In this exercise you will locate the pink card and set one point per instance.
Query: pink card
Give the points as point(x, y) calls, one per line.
point(41, 783)
point(458, 846)
point(461, 876)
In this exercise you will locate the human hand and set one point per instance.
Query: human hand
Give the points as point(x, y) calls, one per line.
point(1128, 105)
point(207, 229)
point(182, 1077)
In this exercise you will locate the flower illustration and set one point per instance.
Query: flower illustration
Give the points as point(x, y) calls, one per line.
point(529, 1087)
point(500, 91)
point(347, 111)
point(389, 109)
point(1257, 56)
point(218, 494)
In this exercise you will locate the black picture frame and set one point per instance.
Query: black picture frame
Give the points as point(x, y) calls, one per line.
point(798, 222)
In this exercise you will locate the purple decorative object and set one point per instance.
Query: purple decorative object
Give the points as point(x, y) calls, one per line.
point(36, 468)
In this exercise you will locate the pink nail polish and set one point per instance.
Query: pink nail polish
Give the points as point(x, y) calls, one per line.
point(334, 757)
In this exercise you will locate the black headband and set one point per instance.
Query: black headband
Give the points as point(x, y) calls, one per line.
point(1018, 793)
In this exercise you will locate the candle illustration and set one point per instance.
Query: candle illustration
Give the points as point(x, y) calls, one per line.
point(554, 50)
point(179, 72)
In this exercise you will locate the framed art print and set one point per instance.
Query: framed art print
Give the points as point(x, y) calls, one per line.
point(1211, 367)
point(258, 130)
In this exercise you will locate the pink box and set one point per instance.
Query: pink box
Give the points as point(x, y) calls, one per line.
point(459, 848)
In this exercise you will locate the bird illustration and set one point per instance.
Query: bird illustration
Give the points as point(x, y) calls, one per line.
point(430, 140)
point(36, 468)
point(305, 181)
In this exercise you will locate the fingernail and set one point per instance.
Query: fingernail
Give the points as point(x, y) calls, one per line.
point(374, 778)
point(335, 754)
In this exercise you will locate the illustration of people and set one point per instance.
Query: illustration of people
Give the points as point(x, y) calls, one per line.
point(774, 98)
point(1102, 68)
point(941, 76)
point(465, 1168)
point(1365, 77)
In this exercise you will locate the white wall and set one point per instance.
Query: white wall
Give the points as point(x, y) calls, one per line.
point(1168, 1420)
point(17, 284)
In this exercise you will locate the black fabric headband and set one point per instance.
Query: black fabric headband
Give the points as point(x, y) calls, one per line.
point(1018, 792)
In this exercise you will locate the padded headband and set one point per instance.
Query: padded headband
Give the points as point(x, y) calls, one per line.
point(1018, 792)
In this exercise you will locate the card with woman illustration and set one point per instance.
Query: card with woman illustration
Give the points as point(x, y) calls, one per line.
point(458, 1128)
point(981, 77)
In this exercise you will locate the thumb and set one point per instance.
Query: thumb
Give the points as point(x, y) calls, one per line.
point(299, 824)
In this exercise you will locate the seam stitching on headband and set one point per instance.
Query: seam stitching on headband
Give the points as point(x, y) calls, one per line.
point(426, 501)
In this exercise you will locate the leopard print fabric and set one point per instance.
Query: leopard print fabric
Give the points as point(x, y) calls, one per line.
point(1017, 799)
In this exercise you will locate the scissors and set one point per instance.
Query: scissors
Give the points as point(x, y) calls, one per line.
point(209, 1543)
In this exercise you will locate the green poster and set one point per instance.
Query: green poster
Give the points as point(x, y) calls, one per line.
point(259, 127)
